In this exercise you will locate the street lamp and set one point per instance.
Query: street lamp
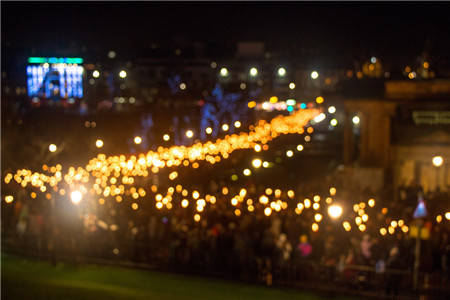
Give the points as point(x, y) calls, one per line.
point(52, 148)
point(256, 163)
point(314, 75)
point(189, 133)
point(281, 72)
point(355, 120)
point(253, 72)
point(137, 140)
point(96, 74)
point(223, 72)
point(99, 143)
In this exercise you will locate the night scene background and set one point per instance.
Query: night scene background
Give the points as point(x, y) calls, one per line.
point(243, 150)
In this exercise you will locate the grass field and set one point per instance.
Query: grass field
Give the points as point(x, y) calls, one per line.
point(31, 279)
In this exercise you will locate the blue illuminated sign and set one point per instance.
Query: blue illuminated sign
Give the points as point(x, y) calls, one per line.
point(55, 77)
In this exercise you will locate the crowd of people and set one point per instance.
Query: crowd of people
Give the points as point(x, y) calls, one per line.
point(281, 248)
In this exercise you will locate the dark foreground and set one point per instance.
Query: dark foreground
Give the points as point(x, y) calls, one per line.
point(24, 278)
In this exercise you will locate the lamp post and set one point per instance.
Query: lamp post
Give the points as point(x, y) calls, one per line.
point(437, 162)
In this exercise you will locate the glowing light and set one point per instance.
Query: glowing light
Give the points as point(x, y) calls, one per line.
point(318, 217)
point(391, 230)
point(256, 163)
point(439, 218)
point(253, 72)
point(267, 211)
point(182, 86)
point(447, 215)
point(437, 161)
point(76, 197)
point(307, 203)
point(9, 199)
point(405, 228)
point(122, 74)
point(412, 75)
point(383, 231)
point(371, 202)
point(263, 199)
point(251, 104)
point(365, 217)
point(225, 127)
point(195, 194)
point(289, 153)
point(319, 118)
point(242, 86)
point(332, 191)
point(197, 217)
point(166, 137)
point(315, 227)
point(257, 148)
point(189, 133)
point(299, 147)
point(362, 227)
point(265, 164)
point(98, 143)
point(281, 72)
point(208, 130)
point(96, 74)
point(273, 99)
point(355, 120)
point(319, 100)
point(137, 140)
point(394, 223)
point(247, 172)
point(331, 109)
point(347, 226)
point(335, 211)
point(52, 148)
point(134, 206)
point(292, 85)
point(373, 59)
point(314, 75)
point(333, 122)
point(223, 72)
point(237, 124)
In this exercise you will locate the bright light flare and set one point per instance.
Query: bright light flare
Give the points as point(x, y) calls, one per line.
point(76, 197)
point(335, 211)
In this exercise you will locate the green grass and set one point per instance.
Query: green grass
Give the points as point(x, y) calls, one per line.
point(30, 279)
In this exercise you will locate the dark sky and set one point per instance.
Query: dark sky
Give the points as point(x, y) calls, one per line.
point(394, 31)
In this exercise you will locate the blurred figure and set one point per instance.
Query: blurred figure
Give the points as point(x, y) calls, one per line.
point(304, 247)
point(393, 280)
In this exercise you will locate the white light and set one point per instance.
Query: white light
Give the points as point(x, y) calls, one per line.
point(52, 148)
point(319, 118)
point(331, 109)
point(122, 74)
point(335, 211)
point(166, 137)
point(247, 172)
point(76, 197)
point(223, 72)
point(300, 148)
point(237, 124)
point(243, 86)
point(314, 75)
point(182, 86)
point(281, 72)
point(213, 65)
point(111, 54)
point(208, 130)
point(292, 85)
point(257, 163)
point(355, 120)
point(189, 133)
point(373, 59)
point(333, 122)
point(289, 153)
point(438, 161)
point(137, 140)
point(253, 72)
point(225, 127)
point(265, 164)
point(99, 143)
point(96, 74)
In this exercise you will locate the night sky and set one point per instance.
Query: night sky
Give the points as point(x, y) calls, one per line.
point(343, 32)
